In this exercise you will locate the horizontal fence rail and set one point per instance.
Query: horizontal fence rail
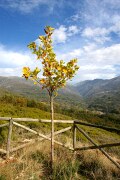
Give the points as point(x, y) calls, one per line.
point(96, 147)
point(74, 125)
point(61, 121)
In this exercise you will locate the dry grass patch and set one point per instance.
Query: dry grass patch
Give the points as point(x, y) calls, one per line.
point(33, 163)
point(23, 168)
point(95, 165)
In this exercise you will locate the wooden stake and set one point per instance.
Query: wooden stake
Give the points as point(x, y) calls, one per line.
point(52, 131)
point(47, 137)
point(9, 137)
point(96, 147)
point(98, 126)
point(74, 136)
point(5, 118)
point(3, 125)
point(106, 154)
point(26, 128)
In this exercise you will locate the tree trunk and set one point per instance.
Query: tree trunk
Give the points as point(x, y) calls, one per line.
point(52, 132)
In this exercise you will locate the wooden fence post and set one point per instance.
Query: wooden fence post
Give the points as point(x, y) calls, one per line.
point(9, 137)
point(74, 136)
point(106, 154)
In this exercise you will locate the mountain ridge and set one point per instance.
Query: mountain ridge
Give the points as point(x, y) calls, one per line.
point(18, 85)
point(97, 94)
point(101, 94)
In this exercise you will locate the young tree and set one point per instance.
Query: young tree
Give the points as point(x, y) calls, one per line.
point(54, 75)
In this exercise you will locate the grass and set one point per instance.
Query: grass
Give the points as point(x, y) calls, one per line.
point(34, 162)
point(9, 110)
point(17, 111)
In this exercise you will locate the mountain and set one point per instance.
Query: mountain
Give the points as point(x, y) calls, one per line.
point(68, 96)
point(98, 94)
point(101, 94)
point(92, 87)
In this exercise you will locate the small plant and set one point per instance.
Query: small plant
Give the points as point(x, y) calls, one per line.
point(2, 177)
point(55, 73)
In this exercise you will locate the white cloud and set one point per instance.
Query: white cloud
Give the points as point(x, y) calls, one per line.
point(93, 76)
point(12, 62)
point(12, 58)
point(115, 27)
point(90, 47)
point(95, 67)
point(10, 72)
point(97, 13)
point(95, 62)
point(91, 32)
point(100, 19)
point(75, 17)
point(61, 34)
point(73, 30)
point(99, 35)
point(104, 56)
point(102, 34)
point(27, 6)
point(76, 53)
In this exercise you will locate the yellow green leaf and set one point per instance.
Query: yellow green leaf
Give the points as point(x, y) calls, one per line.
point(42, 81)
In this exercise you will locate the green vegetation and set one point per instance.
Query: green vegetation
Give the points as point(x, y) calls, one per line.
point(34, 162)
point(101, 95)
point(20, 87)
point(108, 103)
point(18, 106)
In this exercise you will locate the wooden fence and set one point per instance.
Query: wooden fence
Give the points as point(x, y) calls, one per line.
point(75, 125)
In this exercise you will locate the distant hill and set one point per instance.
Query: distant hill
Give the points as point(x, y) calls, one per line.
point(98, 94)
point(101, 94)
point(74, 101)
point(68, 96)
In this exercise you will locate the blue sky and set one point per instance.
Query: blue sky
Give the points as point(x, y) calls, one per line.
point(85, 29)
